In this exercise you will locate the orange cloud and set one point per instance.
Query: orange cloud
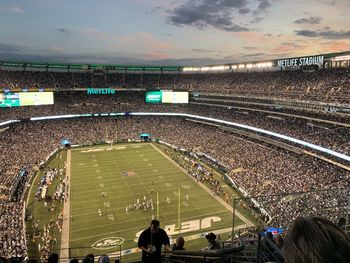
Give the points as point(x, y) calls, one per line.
point(252, 36)
point(340, 46)
point(144, 39)
point(287, 48)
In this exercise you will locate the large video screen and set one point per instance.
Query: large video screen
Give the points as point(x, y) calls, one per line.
point(174, 97)
point(165, 96)
point(26, 99)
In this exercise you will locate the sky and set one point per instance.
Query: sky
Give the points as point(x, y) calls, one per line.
point(171, 32)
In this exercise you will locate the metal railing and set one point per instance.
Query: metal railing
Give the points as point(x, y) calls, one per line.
point(217, 255)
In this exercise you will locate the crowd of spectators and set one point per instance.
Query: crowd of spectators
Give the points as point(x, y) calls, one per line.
point(12, 241)
point(335, 137)
point(259, 170)
point(329, 85)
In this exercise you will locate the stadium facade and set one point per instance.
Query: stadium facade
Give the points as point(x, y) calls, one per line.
point(318, 61)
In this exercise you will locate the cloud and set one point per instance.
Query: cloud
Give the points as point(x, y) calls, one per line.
point(257, 20)
point(203, 50)
point(16, 9)
point(328, 34)
point(327, 2)
point(9, 48)
point(244, 10)
point(249, 48)
point(253, 55)
point(63, 30)
point(148, 41)
point(262, 7)
point(287, 47)
point(334, 46)
point(215, 13)
point(56, 49)
point(310, 20)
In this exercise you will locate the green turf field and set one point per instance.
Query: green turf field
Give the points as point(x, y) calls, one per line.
point(124, 173)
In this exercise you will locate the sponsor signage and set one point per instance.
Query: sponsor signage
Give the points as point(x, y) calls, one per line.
point(153, 96)
point(99, 91)
point(108, 242)
point(301, 61)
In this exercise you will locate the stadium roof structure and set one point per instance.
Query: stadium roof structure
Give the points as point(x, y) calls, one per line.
point(84, 67)
point(340, 56)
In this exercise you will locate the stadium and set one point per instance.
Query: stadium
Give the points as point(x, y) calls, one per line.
point(230, 149)
point(175, 131)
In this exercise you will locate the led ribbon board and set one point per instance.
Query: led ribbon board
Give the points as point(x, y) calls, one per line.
point(26, 99)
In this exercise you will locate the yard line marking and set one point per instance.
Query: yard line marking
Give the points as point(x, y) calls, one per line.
point(133, 228)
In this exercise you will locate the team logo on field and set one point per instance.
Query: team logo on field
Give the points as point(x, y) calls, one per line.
point(108, 242)
point(188, 226)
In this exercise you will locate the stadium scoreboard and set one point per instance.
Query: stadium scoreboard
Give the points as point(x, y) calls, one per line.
point(18, 99)
point(167, 96)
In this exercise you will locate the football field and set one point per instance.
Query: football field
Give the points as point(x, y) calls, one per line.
point(115, 191)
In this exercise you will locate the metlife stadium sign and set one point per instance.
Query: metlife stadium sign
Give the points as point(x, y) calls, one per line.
point(301, 61)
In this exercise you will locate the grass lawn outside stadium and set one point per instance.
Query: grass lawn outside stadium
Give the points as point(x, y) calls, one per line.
point(105, 180)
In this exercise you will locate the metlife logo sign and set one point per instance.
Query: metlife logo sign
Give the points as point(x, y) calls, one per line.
point(94, 91)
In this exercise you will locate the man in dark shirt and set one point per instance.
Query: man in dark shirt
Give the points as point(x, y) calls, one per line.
point(212, 242)
point(151, 241)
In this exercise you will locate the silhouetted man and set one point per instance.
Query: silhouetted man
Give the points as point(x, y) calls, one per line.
point(151, 241)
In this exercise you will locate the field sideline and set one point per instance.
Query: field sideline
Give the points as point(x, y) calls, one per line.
point(105, 180)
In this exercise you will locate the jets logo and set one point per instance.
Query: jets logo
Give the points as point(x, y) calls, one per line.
point(108, 242)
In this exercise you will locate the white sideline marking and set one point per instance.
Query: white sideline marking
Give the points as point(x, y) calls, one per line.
point(66, 214)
